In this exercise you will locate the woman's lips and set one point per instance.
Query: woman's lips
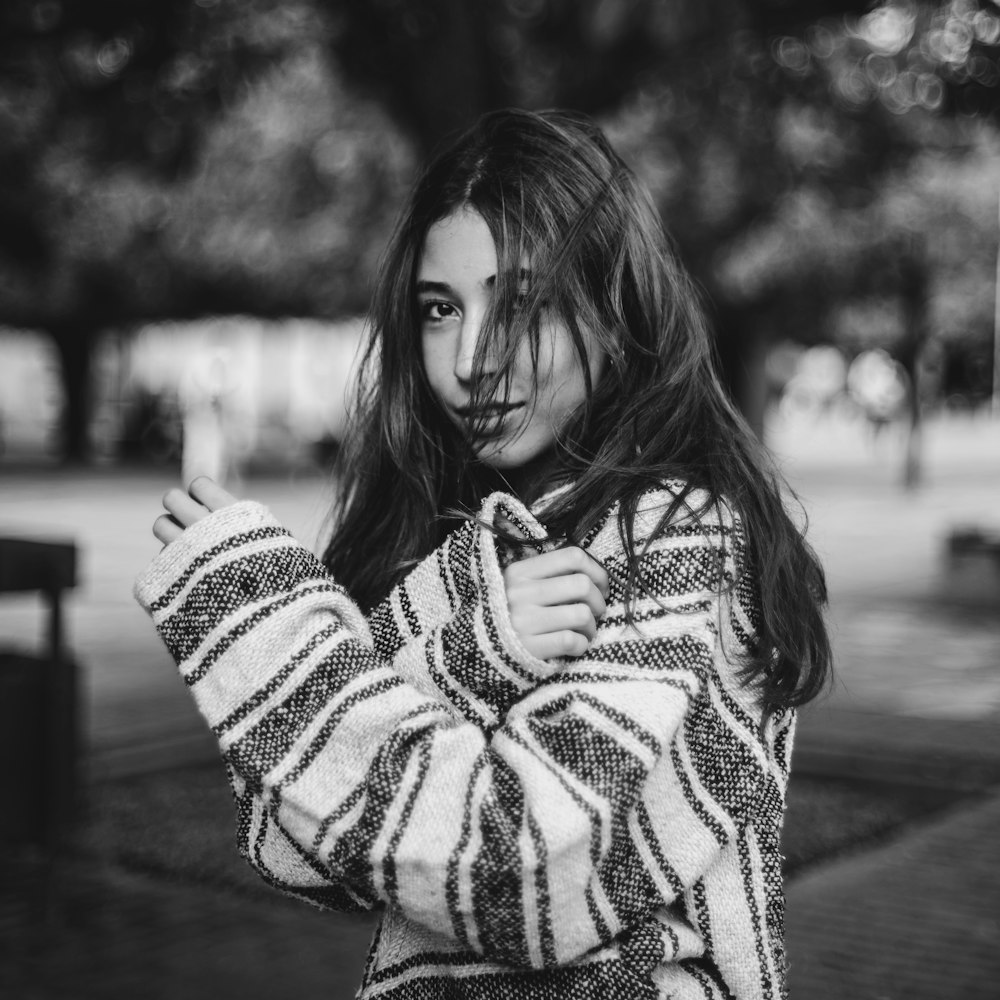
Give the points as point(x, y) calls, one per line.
point(488, 420)
point(488, 411)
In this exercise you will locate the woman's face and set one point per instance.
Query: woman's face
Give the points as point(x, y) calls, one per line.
point(456, 275)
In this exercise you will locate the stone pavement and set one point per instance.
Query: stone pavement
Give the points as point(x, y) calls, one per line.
point(916, 703)
point(111, 934)
point(914, 919)
point(918, 916)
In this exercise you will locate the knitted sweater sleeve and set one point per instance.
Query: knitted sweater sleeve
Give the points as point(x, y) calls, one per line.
point(527, 843)
point(446, 626)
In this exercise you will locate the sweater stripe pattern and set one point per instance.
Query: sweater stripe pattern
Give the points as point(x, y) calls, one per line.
point(600, 826)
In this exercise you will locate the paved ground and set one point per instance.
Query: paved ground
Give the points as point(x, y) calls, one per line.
point(915, 919)
point(917, 700)
point(111, 934)
point(137, 713)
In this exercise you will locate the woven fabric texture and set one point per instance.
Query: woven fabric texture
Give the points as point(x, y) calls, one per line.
point(604, 826)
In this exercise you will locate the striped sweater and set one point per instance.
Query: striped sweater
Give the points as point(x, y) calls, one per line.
point(604, 826)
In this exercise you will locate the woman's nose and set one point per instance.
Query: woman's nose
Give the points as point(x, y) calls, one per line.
point(468, 340)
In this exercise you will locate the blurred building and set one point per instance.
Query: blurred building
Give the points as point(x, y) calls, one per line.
point(281, 388)
point(30, 394)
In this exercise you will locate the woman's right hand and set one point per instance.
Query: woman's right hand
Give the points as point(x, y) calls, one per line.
point(203, 497)
point(556, 600)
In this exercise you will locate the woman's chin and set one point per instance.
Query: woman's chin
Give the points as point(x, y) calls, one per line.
point(524, 470)
point(505, 456)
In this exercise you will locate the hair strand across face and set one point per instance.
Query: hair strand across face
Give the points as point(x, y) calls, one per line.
point(558, 200)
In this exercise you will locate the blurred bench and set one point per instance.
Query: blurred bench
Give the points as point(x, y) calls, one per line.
point(39, 727)
point(972, 574)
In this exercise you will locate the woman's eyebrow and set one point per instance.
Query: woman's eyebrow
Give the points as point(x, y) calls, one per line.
point(443, 288)
point(523, 275)
point(439, 287)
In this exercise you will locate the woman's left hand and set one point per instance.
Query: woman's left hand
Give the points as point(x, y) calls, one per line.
point(555, 601)
point(183, 509)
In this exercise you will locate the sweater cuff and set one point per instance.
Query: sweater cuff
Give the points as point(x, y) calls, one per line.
point(226, 534)
point(497, 507)
point(196, 544)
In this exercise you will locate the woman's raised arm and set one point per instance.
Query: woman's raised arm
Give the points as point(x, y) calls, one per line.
point(533, 844)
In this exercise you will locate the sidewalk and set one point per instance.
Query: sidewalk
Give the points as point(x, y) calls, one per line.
point(916, 704)
point(916, 919)
point(918, 916)
point(111, 934)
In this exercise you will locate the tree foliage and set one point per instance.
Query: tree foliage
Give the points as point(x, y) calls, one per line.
point(170, 158)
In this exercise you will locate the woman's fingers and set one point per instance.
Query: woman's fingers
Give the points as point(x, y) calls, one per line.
point(577, 588)
point(166, 529)
point(555, 601)
point(535, 621)
point(183, 508)
point(210, 494)
point(553, 645)
point(202, 497)
point(559, 562)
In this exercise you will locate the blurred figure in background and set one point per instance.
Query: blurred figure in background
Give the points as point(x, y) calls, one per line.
point(206, 394)
point(817, 383)
point(879, 387)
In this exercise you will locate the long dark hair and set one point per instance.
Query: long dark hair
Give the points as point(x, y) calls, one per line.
point(554, 192)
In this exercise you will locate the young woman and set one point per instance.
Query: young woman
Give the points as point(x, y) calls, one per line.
point(538, 700)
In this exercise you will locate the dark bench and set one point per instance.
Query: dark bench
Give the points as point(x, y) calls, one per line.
point(973, 566)
point(39, 724)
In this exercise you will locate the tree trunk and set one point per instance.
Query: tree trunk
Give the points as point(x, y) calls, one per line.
point(429, 61)
point(75, 342)
point(913, 292)
point(742, 355)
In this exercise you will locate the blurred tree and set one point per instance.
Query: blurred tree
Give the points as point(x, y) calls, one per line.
point(166, 158)
point(895, 186)
point(732, 110)
point(83, 89)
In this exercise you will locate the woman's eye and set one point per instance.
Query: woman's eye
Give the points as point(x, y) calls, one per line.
point(437, 312)
point(524, 296)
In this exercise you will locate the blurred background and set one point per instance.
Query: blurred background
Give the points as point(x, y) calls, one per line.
point(183, 179)
point(194, 195)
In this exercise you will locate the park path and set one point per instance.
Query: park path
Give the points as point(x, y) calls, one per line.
point(906, 641)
